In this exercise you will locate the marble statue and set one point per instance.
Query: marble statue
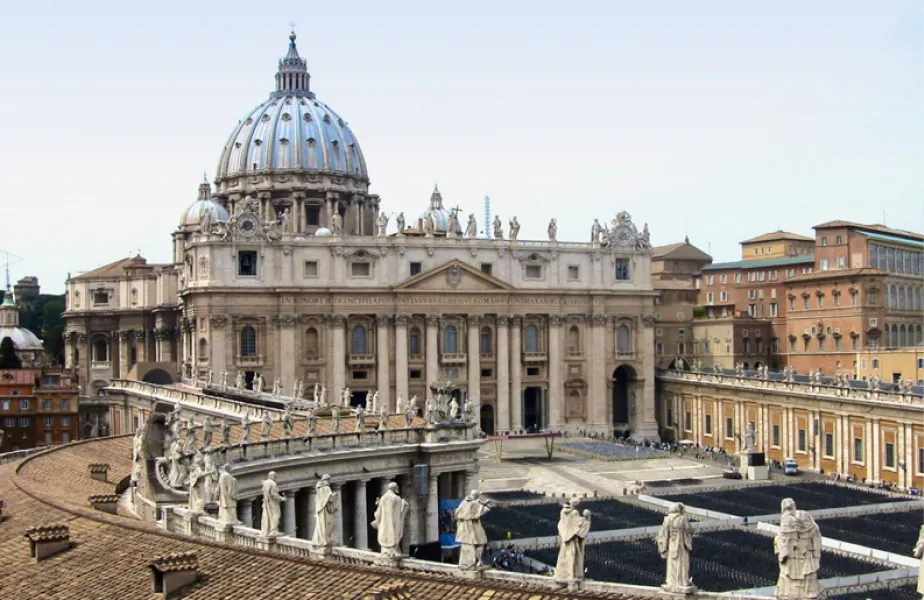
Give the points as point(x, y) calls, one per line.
point(573, 528)
point(471, 229)
point(272, 503)
point(675, 542)
point(644, 241)
point(750, 437)
point(471, 411)
point(317, 393)
point(211, 475)
point(498, 228)
point(514, 229)
point(225, 432)
point(324, 508)
point(453, 409)
point(595, 230)
point(258, 383)
point(798, 548)
point(336, 223)
point(277, 386)
point(389, 520)
point(177, 470)
point(205, 224)
point(239, 380)
point(553, 230)
point(426, 224)
point(312, 423)
point(433, 416)
point(323, 395)
point(207, 431)
point(196, 503)
point(919, 553)
point(246, 422)
point(411, 411)
point(381, 225)
point(137, 451)
point(266, 425)
point(383, 417)
point(375, 403)
point(208, 378)
point(288, 420)
point(400, 405)
point(399, 221)
point(189, 444)
point(368, 405)
point(360, 413)
point(469, 532)
point(227, 497)
point(335, 418)
point(346, 397)
point(285, 220)
point(224, 379)
point(453, 226)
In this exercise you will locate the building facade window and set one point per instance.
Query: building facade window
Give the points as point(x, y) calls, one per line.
point(101, 350)
point(776, 435)
point(312, 342)
point(450, 340)
point(247, 263)
point(858, 450)
point(623, 339)
point(532, 338)
point(358, 340)
point(248, 341)
point(486, 341)
point(413, 341)
point(622, 269)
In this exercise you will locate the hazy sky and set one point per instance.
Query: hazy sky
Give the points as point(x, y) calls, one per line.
point(726, 118)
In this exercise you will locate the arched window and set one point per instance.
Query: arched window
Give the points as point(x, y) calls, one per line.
point(901, 298)
point(311, 342)
point(450, 340)
point(358, 340)
point(101, 350)
point(890, 296)
point(574, 339)
point(413, 341)
point(203, 348)
point(902, 336)
point(919, 339)
point(486, 341)
point(894, 338)
point(623, 339)
point(248, 341)
point(532, 338)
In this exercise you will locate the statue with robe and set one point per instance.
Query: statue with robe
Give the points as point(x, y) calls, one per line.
point(272, 506)
point(469, 531)
point(335, 418)
point(919, 553)
point(227, 497)
point(208, 431)
point(453, 226)
point(288, 420)
point(553, 230)
point(514, 229)
point(471, 229)
point(285, 220)
point(383, 417)
point(400, 405)
point(595, 230)
point(266, 426)
point(317, 393)
point(177, 469)
point(360, 418)
point(389, 520)
point(205, 223)
point(246, 422)
point(675, 543)
point(336, 223)
point(345, 397)
point(324, 509)
point(573, 528)
point(225, 432)
point(381, 224)
point(323, 395)
point(498, 228)
point(210, 472)
point(369, 406)
point(453, 409)
point(197, 487)
point(411, 411)
point(399, 221)
point(312, 423)
point(189, 443)
point(798, 548)
point(137, 452)
point(239, 380)
point(258, 383)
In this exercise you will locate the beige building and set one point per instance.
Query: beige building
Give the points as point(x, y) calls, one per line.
point(291, 271)
point(893, 365)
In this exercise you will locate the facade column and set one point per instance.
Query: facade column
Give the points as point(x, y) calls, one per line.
point(245, 510)
point(338, 353)
point(433, 510)
point(410, 494)
point(474, 359)
point(338, 513)
point(141, 341)
point(516, 381)
point(556, 396)
point(401, 370)
point(433, 371)
point(597, 385)
point(503, 375)
point(874, 465)
point(286, 332)
point(288, 514)
point(166, 349)
point(124, 345)
point(471, 481)
point(646, 425)
point(310, 503)
point(383, 362)
point(360, 520)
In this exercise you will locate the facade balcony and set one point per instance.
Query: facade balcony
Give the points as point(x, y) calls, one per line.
point(453, 358)
point(361, 359)
point(574, 353)
point(625, 354)
point(487, 356)
point(534, 357)
point(249, 361)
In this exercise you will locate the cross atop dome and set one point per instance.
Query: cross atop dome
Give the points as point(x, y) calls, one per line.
point(292, 78)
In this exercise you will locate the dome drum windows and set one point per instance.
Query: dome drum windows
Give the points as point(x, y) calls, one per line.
point(249, 343)
point(100, 349)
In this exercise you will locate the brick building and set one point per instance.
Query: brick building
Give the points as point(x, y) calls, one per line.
point(38, 407)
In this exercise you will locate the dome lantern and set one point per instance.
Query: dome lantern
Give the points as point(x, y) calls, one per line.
point(292, 78)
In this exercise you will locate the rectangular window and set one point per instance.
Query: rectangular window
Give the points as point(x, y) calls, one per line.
point(708, 424)
point(805, 302)
point(574, 273)
point(688, 421)
point(723, 278)
point(532, 371)
point(890, 455)
point(710, 279)
point(837, 299)
point(792, 304)
point(858, 450)
point(776, 436)
point(65, 421)
point(792, 345)
point(65, 437)
point(313, 216)
point(802, 440)
point(534, 271)
point(46, 404)
point(737, 277)
point(487, 373)
point(311, 269)
point(773, 276)
point(920, 460)
point(839, 240)
point(6, 405)
point(837, 344)
point(25, 422)
point(49, 421)
point(622, 270)
point(487, 268)
point(247, 263)
point(723, 296)
point(416, 268)
point(360, 374)
point(47, 438)
point(730, 428)
point(100, 297)
point(824, 264)
point(360, 269)
point(710, 298)
point(841, 262)
point(774, 309)
point(829, 445)
point(9, 422)
point(415, 374)
point(24, 405)
point(824, 241)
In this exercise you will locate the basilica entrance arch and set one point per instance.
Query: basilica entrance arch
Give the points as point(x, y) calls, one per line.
point(624, 381)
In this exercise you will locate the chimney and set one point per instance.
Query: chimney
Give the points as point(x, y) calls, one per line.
point(392, 590)
point(48, 540)
point(99, 472)
point(108, 503)
point(173, 572)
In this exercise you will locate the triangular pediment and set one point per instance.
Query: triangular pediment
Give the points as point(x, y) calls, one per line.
point(454, 275)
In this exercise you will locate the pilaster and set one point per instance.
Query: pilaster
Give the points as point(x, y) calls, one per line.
point(383, 361)
point(503, 375)
point(474, 358)
point(338, 352)
point(401, 368)
point(360, 518)
point(556, 389)
point(432, 350)
point(516, 367)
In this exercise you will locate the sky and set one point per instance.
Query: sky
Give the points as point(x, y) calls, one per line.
point(717, 119)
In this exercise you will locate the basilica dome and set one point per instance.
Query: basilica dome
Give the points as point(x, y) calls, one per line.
point(292, 130)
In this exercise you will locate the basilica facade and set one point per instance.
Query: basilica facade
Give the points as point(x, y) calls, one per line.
point(287, 268)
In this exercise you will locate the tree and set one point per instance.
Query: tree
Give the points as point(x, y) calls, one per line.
point(52, 330)
point(8, 357)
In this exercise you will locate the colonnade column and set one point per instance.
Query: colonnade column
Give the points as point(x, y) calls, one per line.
point(286, 325)
point(141, 339)
point(338, 513)
point(872, 460)
point(433, 375)
point(503, 374)
point(359, 516)
point(516, 381)
point(433, 509)
point(338, 355)
point(124, 343)
point(383, 361)
point(474, 359)
point(288, 514)
point(597, 388)
point(245, 510)
point(310, 504)
point(401, 372)
point(556, 397)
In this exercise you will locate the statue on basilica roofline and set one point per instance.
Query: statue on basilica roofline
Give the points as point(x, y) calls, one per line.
point(453, 225)
point(399, 221)
point(498, 228)
point(381, 225)
point(514, 229)
point(595, 231)
point(471, 230)
point(553, 230)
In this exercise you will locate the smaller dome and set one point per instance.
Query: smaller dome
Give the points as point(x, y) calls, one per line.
point(192, 216)
point(22, 338)
point(438, 215)
point(323, 232)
